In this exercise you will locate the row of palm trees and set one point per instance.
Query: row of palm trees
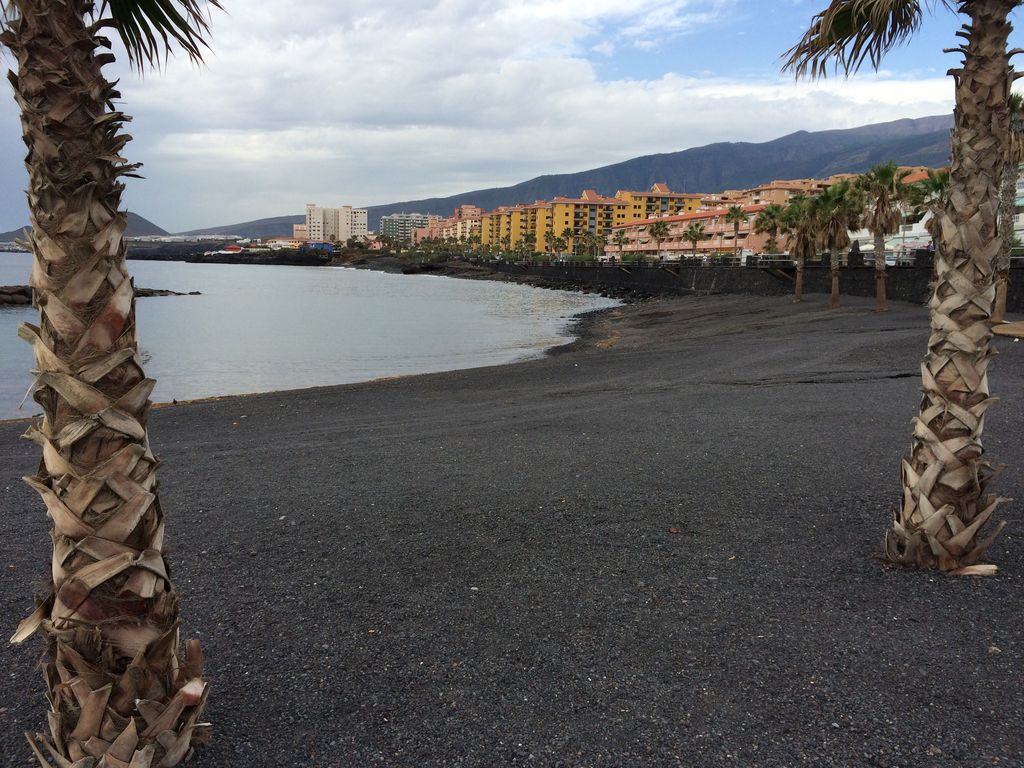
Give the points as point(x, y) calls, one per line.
point(877, 200)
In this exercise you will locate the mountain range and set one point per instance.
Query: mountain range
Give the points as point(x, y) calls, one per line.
point(137, 227)
point(711, 168)
point(724, 165)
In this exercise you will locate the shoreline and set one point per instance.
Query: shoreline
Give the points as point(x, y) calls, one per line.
point(580, 327)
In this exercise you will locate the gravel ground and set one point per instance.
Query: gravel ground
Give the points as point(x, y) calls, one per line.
point(655, 548)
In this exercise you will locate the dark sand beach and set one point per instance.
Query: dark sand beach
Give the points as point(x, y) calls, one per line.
point(653, 548)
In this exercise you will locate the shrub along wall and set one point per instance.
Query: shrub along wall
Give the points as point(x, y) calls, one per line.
point(902, 283)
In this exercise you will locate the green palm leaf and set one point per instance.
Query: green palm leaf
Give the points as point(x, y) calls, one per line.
point(151, 28)
point(850, 31)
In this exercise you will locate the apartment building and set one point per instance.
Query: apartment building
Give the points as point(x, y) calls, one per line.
point(507, 225)
point(720, 235)
point(463, 224)
point(659, 200)
point(335, 224)
point(400, 226)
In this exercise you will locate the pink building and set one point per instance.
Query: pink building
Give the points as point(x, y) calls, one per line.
point(719, 237)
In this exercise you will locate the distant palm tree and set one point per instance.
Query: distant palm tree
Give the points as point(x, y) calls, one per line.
point(569, 235)
point(549, 240)
point(693, 234)
point(770, 221)
point(620, 239)
point(118, 690)
point(839, 210)
point(884, 196)
point(735, 216)
point(529, 243)
point(658, 232)
point(930, 196)
point(801, 220)
point(1008, 203)
point(944, 506)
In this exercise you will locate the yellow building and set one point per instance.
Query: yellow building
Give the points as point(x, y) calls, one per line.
point(659, 200)
point(570, 218)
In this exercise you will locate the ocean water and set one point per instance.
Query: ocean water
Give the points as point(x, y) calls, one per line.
point(267, 328)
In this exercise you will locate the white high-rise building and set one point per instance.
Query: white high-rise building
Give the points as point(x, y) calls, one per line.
point(335, 224)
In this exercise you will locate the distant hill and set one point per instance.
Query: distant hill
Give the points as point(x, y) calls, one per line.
point(278, 225)
point(137, 227)
point(725, 165)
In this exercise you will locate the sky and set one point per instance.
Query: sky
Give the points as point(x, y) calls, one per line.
point(377, 101)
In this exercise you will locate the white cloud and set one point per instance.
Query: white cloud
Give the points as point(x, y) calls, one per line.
point(375, 101)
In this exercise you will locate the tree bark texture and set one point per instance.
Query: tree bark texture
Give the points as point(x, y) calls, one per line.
point(1008, 195)
point(798, 283)
point(880, 302)
point(833, 302)
point(945, 507)
point(119, 693)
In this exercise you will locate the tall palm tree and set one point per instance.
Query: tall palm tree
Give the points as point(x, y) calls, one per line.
point(658, 232)
point(620, 239)
point(1008, 202)
point(945, 506)
point(735, 216)
point(884, 195)
point(693, 234)
point(119, 692)
point(801, 220)
point(838, 210)
point(770, 221)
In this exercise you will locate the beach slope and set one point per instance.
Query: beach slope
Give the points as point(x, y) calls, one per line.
point(652, 548)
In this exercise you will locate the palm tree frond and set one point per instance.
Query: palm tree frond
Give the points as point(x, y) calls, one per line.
point(150, 29)
point(849, 31)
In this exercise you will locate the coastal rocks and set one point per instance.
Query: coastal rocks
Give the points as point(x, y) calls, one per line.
point(21, 295)
point(12, 295)
point(163, 292)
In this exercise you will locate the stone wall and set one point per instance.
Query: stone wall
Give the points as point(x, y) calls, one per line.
point(902, 283)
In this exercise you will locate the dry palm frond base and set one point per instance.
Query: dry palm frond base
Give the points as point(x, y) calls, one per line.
point(944, 501)
point(942, 520)
point(120, 696)
point(1013, 330)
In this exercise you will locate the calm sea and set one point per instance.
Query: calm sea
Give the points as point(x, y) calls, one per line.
point(266, 328)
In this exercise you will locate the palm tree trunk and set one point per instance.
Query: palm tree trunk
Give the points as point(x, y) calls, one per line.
point(945, 506)
point(1008, 208)
point(798, 288)
point(116, 685)
point(833, 302)
point(880, 305)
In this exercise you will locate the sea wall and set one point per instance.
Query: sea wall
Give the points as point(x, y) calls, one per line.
point(910, 284)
